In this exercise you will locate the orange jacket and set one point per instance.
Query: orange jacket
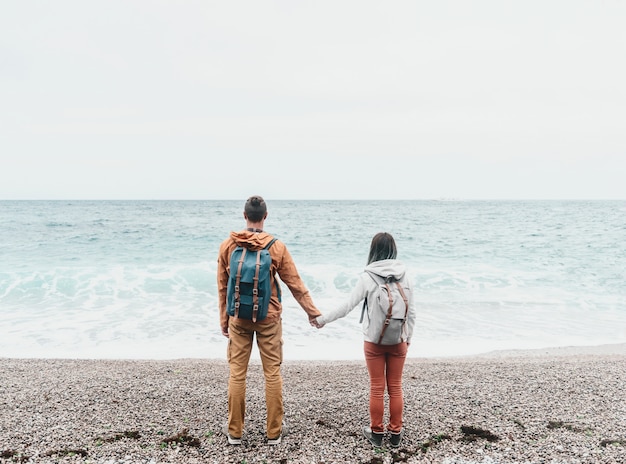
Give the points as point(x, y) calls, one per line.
point(282, 263)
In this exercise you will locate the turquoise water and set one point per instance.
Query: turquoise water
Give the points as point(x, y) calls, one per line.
point(136, 279)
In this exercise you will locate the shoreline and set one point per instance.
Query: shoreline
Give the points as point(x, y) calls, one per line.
point(557, 405)
point(356, 356)
point(608, 349)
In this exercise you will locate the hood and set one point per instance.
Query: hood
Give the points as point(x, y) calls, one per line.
point(386, 268)
point(251, 240)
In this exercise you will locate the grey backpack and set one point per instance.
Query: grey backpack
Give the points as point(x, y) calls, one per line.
point(387, 310)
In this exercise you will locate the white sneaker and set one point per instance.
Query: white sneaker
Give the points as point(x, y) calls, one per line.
point(231, 440)
point(276, 441)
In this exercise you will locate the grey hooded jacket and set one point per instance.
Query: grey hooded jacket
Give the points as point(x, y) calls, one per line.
point(365, 287)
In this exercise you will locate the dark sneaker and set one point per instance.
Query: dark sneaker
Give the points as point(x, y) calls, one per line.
point(231, 440)
point(276, 441)
point(396, 438)
point(375, 438)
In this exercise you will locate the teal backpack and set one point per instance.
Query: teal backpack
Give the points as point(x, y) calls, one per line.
point(249, 285)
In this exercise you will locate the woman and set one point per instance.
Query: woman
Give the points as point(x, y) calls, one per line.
point(385, 362)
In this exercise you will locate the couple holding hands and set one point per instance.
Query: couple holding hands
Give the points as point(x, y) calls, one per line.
point(385, 362)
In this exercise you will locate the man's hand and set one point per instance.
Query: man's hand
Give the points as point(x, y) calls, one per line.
point(314, 323)
point(225, 331)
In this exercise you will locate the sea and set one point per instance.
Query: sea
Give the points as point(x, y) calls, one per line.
point(137, 279)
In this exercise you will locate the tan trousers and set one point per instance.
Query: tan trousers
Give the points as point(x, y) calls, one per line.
point(269, 338)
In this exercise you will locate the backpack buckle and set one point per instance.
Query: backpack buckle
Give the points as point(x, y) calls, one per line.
point(255, 291)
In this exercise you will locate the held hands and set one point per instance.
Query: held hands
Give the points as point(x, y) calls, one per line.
point(314, 323)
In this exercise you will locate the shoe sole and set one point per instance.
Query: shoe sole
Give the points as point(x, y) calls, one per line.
point(277, 441)
point(231, 440)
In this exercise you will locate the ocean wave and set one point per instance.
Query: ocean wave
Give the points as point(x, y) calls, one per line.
point(138, 279)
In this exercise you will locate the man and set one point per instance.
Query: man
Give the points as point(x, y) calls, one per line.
point(240, 332)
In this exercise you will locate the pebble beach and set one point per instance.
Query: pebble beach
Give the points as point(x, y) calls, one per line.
point(545, 406)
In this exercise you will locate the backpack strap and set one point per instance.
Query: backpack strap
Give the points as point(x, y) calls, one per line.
point(406, 300)
point(238, 281)
point(365, 300)
point(388, 317)
point(255, 287)
point(363, 310)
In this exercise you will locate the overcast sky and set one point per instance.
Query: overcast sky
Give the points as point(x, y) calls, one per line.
point(316, 99)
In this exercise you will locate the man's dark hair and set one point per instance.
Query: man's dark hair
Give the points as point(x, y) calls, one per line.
point(383, 247)
point(255, 208)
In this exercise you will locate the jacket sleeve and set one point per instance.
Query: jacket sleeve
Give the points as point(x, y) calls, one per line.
point(222, 282)
point(289, 275)
point(358, 294)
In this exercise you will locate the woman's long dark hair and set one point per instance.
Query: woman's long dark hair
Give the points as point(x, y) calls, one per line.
point(383, 247)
